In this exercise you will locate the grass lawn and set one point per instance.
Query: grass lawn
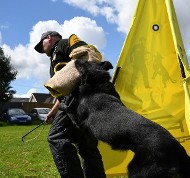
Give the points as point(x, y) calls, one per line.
point(31, 159)
point(25, 160)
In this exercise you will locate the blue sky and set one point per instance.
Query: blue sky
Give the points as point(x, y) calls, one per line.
point(104, 23)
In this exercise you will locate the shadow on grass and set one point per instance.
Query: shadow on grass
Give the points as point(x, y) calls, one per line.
point(34, 122)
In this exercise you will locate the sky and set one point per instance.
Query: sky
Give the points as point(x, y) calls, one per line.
point(104, 23)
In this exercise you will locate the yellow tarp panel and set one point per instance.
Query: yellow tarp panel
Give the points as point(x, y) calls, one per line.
point(186, 83)
point(185, 71)
point(150, 78)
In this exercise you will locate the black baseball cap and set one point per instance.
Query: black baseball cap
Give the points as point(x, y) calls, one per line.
point(38, 47)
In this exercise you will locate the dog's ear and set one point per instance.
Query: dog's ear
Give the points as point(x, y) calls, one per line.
point(79, 64)
point(106, 65)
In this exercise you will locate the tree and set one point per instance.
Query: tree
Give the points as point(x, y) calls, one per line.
point(7, 74)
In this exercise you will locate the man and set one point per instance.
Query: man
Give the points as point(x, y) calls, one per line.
point(65, 140)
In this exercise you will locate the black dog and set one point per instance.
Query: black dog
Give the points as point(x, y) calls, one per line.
point(100, 110)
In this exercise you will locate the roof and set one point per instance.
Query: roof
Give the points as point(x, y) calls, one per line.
point(41, 97)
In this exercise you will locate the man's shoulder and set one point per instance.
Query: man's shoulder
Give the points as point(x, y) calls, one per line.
point(63, 46)
point(63, 42)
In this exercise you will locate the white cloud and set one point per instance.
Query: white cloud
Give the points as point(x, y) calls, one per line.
point(182, 11)
point(91, 6)
point(29, 63)
point(115, 11)
point(188, 54)
point(0, 38)
point(4, 26)
point(28, 94)
point(86, 29)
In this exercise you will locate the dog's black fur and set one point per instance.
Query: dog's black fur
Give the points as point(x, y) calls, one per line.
point(157, 153)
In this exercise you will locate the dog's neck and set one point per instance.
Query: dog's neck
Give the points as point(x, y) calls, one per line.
point(104, 87)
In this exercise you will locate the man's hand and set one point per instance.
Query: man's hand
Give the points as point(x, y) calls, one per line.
point(52, 113)
point(49, 118)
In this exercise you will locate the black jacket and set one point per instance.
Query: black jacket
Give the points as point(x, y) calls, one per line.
point(60, 55)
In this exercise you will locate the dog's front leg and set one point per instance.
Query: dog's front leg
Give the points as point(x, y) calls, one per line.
point(69, 106)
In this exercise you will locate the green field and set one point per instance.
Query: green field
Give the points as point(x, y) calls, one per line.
point(25, 160)
point(31, 159)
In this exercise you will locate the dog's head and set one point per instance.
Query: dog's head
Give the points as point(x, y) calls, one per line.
point(93, 72)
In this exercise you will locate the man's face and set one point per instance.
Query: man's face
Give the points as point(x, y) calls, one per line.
point(47, 45)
